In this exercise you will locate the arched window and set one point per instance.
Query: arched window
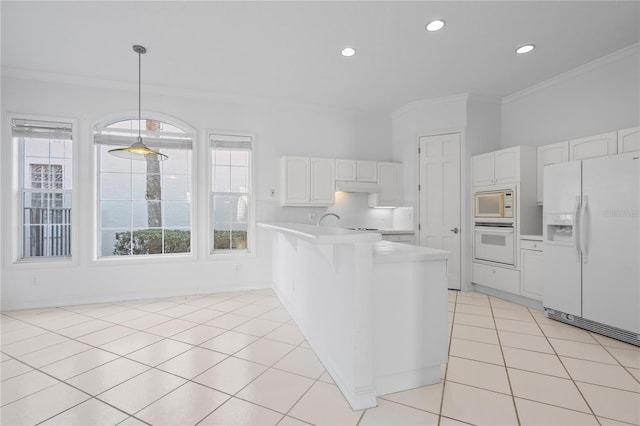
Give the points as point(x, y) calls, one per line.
point(144, 205)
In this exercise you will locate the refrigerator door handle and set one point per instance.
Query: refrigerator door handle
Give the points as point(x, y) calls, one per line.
point(584, 229)
point(576, 227)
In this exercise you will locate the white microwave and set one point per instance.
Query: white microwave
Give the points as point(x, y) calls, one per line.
point(494, 204)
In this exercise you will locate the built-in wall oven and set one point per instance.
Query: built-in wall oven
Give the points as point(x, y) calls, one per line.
point(495, 242)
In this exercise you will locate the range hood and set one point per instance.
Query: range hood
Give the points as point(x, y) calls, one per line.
point(354, 186)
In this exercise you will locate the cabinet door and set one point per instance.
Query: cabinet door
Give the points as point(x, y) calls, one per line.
point(346, 170)
point(295, 180)
point(322, 181)
point(593, 146)
point(482, 169)
point(629, 140)
point(389, 186)
point(550, 154)
point(367, 171)
point(531, 274)
point(506, 166)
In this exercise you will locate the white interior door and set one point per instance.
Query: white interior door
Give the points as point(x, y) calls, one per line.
point(439, 177)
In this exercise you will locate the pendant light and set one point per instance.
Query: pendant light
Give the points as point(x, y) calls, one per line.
point(138, 150)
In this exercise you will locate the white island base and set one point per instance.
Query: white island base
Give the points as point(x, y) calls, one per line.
point(374, 312)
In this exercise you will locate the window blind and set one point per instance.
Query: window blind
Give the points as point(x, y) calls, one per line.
point(38, 129)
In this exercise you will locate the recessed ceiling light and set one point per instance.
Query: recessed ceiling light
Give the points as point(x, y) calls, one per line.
point(526, 48)
point(348, 51)
point(435, 25)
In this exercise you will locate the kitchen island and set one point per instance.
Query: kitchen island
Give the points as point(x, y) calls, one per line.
point(375, 312)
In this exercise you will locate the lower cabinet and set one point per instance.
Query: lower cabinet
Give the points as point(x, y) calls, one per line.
point(532, 283)
point(496, 277)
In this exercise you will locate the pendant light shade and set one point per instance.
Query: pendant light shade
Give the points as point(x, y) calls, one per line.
point(138, 150)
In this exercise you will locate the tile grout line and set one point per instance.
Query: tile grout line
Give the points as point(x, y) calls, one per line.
point(506, 370)
point(569, 374)
point(446, 367)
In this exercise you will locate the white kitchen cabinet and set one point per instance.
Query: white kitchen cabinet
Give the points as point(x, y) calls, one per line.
point(482, 169)
point(389, 191)
point(497, 167)
point(346, 169)
point(502, 279)
point(307, 181)
point(629, 140)
point(366, 171)
point(550, 154)
point(356, 170)
point(531, 265)
point(593, 146)
point(322, 182)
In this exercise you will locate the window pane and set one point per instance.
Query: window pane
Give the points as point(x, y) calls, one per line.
point(115, 186)
point(56, 148)
point(178, 162)
point(222, 237)
point(239, 236)
point(176, 214)
point(139, 186)
point(239, 158)
point(176, 187)
point(222, 157)
point(109, 163)
point(239, 179)
point(115, 214)
point(177, 241)
point(221, 176)
point(115, 242)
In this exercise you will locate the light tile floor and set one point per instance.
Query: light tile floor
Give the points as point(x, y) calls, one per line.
point(238, 358)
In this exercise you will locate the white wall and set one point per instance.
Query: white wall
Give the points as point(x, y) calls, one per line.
point(599, 97)
point(279, 129)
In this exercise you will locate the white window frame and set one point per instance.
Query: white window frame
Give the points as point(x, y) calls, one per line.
point(13, 221)
point(149, 258)
point(250, 251)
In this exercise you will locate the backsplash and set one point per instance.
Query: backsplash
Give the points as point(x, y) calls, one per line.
point(353, 209)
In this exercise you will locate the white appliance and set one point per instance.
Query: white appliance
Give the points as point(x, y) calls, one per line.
point(496, 205)
point(591, 236)
point(495, 243)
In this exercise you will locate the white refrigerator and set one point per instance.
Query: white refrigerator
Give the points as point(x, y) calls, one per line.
point(591, 234)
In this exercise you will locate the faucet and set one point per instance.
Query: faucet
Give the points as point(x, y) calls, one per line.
point(325, 215)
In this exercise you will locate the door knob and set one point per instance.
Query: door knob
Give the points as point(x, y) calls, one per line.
point(455, 230)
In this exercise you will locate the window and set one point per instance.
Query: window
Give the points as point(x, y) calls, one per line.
point(45, 149)
point(144, 206)
point(230, 192)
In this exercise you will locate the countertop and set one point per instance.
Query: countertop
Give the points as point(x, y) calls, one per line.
point(390, 252)
point(383, 251)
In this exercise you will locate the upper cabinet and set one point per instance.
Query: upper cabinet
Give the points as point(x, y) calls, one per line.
point(495, 168)
point(389, 193)
point(307, 181)
point(356, 170)
point(593, 146)
point(550, 154)
point(629, 140)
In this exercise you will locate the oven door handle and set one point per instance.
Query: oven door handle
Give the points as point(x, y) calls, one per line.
point(503, 230)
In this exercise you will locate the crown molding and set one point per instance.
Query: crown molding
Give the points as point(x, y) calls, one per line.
point(634, 49)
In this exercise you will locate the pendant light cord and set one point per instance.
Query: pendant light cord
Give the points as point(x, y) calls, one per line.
point(139, 95)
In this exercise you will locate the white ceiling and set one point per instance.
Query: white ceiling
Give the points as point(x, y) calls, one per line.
point(289, 51)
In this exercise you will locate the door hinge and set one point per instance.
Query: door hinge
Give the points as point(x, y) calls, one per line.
point(419, 227)
point(418, 150)
point(418, 187)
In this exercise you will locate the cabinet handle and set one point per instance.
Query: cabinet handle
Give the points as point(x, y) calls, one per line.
point(454, 230)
